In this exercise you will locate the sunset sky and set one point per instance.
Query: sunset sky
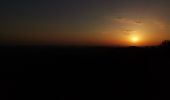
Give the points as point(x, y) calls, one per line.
point(84, 22)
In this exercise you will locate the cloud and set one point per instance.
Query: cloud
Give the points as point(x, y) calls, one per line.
point(128, 31)
point(158, 24)
point(138, 22)
point(127, 21)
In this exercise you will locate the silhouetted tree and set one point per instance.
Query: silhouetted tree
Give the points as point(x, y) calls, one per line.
point(166, 43)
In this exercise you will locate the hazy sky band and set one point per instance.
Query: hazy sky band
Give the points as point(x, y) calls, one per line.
point(84, 21)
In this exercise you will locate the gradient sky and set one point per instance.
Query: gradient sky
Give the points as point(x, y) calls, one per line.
point(84, 22)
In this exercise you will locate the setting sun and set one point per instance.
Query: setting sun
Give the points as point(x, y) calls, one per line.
point(134, 39)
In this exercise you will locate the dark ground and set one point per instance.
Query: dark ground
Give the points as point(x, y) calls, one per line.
point(84, 73)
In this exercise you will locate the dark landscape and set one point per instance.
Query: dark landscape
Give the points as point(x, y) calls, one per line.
point(81, 73)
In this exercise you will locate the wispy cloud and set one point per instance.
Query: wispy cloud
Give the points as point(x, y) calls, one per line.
point(123, 20)
point(128, 31)
point(151, 24)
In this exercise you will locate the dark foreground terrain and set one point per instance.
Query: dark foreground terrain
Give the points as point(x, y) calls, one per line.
point(84, 73)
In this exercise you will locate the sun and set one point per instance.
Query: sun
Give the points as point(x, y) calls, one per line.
point(134, 39)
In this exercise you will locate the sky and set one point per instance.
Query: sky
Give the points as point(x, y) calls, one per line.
point(84, 22)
